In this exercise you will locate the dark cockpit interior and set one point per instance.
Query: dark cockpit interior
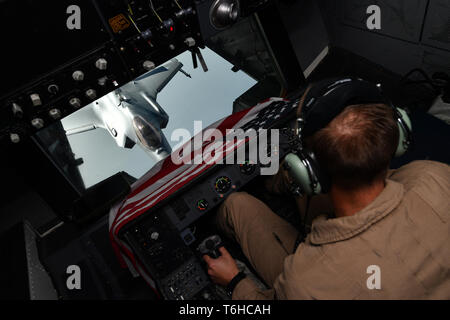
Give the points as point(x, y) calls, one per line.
point(82, 62)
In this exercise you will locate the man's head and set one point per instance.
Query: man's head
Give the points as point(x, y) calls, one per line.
point(356, 147)
point(350, 131)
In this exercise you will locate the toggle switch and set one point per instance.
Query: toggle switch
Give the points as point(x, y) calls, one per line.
point(36, 100)
point(17, 110)
point(53, 89)
point(190, 42)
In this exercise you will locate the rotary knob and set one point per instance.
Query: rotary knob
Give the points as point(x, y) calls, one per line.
point(54, 113)
point(148, 65)
point(168, 25)
point(78, 75)
point(75, 102)
point(14, 137)
point(38, 123)
point(154, 235)
point(101, 64)
point(91, 94)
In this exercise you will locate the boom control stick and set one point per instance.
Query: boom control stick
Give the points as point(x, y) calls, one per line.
point(210, 246)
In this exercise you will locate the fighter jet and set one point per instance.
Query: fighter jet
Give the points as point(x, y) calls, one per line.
point(131, 113)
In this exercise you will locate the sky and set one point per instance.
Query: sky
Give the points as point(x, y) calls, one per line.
point(207, 97)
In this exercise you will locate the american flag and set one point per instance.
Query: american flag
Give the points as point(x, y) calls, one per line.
point(163, 180)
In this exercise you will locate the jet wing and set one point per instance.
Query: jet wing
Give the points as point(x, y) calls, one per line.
point(85, 120)
point(143, 90)
point(154, 81)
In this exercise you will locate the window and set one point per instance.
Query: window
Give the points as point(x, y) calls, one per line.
point(207, 97)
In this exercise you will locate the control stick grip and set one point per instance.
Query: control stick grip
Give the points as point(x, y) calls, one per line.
point(210, 246)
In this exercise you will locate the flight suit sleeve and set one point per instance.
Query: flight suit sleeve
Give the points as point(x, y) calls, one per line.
point(248, 290)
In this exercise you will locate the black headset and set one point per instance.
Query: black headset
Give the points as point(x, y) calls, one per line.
point(322, 103)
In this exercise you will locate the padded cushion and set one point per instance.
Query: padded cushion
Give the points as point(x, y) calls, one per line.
point(329, 97)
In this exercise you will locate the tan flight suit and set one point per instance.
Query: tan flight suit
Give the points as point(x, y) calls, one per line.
point(398, 247)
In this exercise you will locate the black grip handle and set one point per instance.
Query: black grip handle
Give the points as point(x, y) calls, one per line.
point(215, 254)
point(213, 248)
point(210, 246)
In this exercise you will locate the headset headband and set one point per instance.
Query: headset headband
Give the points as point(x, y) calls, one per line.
point(326, 99)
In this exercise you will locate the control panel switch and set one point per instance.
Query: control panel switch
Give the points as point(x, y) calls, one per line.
point(53, 89)
point(146, 34)
point(17, 110)
point(148, 65)
point(91, 94)
point(78, 75)
point(190, 42)
point(38, 123)
point(102, 81)
point(36, 100)
point(15, 138)
point(154, 235)
point(101, 64)
point(75, 102)
point(54, 113)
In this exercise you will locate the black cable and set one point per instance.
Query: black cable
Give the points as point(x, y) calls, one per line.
point(304, 231)
point(308, 202)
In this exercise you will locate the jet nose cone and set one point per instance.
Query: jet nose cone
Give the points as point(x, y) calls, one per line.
point(148, 134)
point(151, 138)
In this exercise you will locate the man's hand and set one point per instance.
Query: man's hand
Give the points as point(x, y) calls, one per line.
point(223, 269)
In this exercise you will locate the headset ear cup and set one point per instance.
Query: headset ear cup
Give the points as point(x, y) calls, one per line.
point(404, 129)
point(298, 169)
point(299, 172)
point(322, 179)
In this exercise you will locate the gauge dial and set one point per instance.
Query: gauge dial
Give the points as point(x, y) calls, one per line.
point(202, 204)
point(222, 184)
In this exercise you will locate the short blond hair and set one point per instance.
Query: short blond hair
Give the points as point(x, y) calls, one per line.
point(356, 147)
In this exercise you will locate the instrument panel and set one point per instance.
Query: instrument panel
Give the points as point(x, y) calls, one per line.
point(163, 240)
point(59, 56)
point(207, 194)
point(177, 257)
